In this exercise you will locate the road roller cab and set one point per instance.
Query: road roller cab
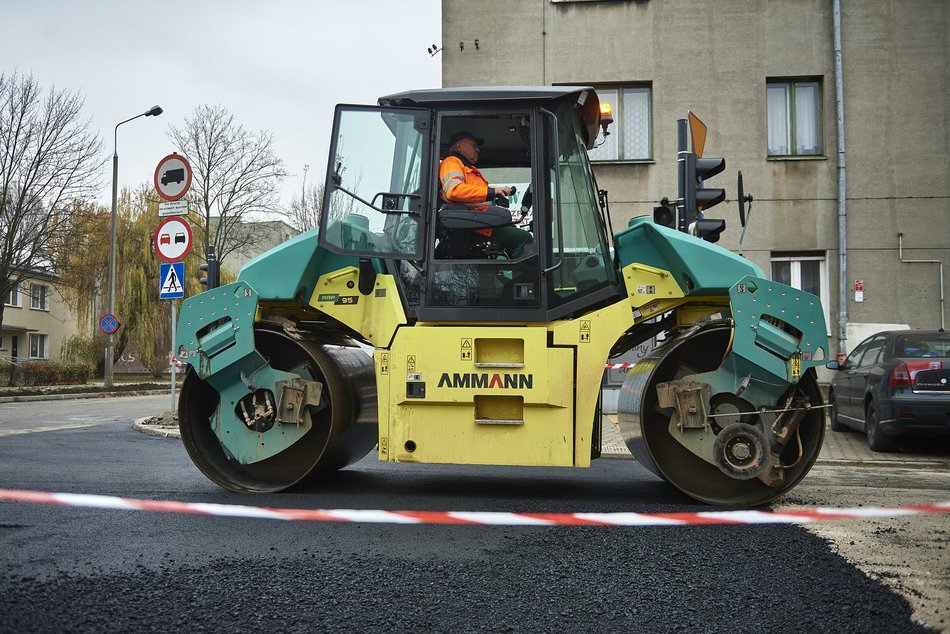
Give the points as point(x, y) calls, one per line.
point(491, 322)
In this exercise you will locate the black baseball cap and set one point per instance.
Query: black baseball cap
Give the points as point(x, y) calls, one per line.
point(458, 136)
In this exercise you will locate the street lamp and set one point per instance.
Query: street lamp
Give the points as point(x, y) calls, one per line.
point(154, 111)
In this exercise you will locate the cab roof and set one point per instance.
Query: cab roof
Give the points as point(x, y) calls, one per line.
point(483, 93)
point(584, 97)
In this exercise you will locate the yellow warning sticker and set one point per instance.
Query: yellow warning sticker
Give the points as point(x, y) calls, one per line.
point(585, 331)
point(384, 363)
point(466, 349)
point(410, 363)
point(796, 365)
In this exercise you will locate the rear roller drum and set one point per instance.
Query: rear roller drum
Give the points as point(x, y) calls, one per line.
point(343, 428)
point(731, 462)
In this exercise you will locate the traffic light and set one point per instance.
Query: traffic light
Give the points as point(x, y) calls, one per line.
point(665, 213)
point(212, 274)
point(700, 198)
point(708, 228)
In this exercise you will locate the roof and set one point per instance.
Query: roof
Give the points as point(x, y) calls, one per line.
point(481, 93)
point(584, 97)
point(12, 328)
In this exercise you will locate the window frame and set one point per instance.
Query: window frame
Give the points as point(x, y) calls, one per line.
point(618, 129)
point(791, 105)
point(44, 305)
point(875, 345)
point(17, 296)
point(795, 276)
point(44, 338)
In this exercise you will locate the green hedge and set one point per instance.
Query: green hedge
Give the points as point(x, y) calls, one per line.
point(53, 373)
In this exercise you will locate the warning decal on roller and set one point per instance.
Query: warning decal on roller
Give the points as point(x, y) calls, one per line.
point(485, 518)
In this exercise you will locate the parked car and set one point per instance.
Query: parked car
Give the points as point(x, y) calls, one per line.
point(895, 382)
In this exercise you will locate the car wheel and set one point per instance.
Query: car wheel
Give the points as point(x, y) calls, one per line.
point(836, 425)
point(877, 441)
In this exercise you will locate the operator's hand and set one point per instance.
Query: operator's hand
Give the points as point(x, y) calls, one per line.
point(504, 190)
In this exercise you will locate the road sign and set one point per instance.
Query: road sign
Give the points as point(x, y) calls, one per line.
point(172, 177)
point(172, 276)
point(173, 208)
point(108, 323)
point(173, 239)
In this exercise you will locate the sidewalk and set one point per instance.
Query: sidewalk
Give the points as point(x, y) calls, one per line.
point(839, 447)
point(93, 389)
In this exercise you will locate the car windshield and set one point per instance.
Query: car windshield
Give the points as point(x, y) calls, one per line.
point(925, 346)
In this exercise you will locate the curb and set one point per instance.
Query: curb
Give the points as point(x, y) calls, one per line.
point(154, 430)
point(78, 395)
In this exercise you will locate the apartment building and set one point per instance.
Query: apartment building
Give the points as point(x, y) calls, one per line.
point(835, 112)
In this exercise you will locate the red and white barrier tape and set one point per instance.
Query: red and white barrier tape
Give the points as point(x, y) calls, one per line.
point(788, 516)
point(618, 366)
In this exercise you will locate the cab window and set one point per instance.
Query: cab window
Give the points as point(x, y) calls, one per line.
point(376, 182)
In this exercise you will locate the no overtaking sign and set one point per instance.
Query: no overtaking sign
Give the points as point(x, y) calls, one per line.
point(173, 239)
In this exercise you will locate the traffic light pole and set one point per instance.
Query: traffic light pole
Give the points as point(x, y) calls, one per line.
point(682, 150)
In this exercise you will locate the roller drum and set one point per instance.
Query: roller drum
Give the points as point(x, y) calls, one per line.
point(647, 430)
point(344, 429)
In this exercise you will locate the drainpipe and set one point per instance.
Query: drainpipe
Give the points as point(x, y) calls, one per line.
point(900, 256)
point(842, 203)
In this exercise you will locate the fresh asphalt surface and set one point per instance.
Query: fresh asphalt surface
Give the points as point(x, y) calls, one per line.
point(70, 569)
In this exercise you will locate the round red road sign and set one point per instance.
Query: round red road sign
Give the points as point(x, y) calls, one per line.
point(172, 177)
point(173, 239)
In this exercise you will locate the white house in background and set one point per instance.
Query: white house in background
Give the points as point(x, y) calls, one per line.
point(36, 321)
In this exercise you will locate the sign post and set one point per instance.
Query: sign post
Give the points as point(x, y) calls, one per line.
point(174, 365)
point(173, 238)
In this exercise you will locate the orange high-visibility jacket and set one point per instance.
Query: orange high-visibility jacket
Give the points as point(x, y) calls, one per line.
point(461, 183)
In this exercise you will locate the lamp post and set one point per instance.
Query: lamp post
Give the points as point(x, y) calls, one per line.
point(154, 111)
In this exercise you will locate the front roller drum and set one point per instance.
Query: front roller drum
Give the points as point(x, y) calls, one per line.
point(740, 455)
point(344, 429)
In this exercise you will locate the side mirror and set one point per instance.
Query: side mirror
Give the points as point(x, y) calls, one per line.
point(835, 365)
point(743, 198)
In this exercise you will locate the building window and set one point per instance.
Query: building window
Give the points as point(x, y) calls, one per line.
point(804, 271)
point(3, 342)
point(39, 297)
point(38, 348)
point(13, 297)
point(794, 117)
point(631, 136)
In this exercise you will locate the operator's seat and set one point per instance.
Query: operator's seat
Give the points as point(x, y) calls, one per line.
point(457, 235)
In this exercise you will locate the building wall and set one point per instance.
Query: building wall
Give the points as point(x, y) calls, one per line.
point(261, 237)
point(714, 58)
point(58, 323)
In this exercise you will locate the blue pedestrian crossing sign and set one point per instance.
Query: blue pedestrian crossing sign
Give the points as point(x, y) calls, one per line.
point(172, 278)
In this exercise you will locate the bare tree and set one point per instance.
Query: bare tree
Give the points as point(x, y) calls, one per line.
point(236, 174)
point(305, 211)
point(48, 160)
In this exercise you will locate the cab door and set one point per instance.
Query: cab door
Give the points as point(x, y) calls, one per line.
point(374, 197)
